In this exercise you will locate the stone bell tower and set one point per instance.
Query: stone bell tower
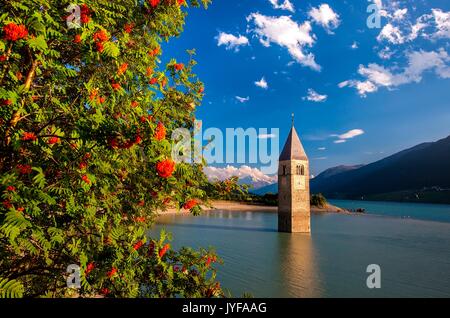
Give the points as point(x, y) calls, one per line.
point(294, 211)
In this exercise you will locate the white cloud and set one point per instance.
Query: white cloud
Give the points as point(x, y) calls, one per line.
point(419, 62)
point(386, 53)
point(286, 5)
point(376, 74)
point(442, 21)
point(243, 99)
point(262, 83)
point(348, 135)
point(351, 134)
point(422, 61)
point(325, 16)
point(416, 30)
point(344, 84)
point(231, 41)
point(400, 14)
point(286, 33)
point(354, 45)
point(313, 96)
point(400, 28)
point(257, 177)
point(321, 148)
point(391, 34)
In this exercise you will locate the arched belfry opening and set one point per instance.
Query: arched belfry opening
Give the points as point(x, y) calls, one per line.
point(300, 170)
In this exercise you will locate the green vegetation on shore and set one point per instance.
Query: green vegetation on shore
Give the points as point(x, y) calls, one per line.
point(232, 190)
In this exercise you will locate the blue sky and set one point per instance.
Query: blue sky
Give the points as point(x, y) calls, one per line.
point(358, 94)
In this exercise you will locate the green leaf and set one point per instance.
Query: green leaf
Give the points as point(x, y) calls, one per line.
point(38, 43)
point(111, 49)
point(11, 288)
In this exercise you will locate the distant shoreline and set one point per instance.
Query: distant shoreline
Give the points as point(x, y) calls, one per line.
point(247, 207)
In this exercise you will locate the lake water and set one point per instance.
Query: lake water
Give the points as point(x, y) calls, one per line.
point(414, 255)
point(420, 211)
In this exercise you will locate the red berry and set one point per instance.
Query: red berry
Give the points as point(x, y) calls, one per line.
point(29, 136)
point(165, 168)
point(160, 132)
point(138, 245)
point(164, 250)
point(112, 272)
point(77, 39)
point(14, 32)
point(53, 140)
point(86, 180)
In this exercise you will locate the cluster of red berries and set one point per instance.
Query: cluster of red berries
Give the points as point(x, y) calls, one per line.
point(11, 188)
point(115, 144)
point(140, 219)
point(53, 140)
point(116, 86)
point(86, 179)
point(210, 259)
point(14, 32)
point(85, 14)
point(190, 204)
point(24, 169)
point(165, 168)
point(128, 27)
point(164, 250)
point(100, 37)
point(122, 69)
point(94, 96)
point(5, 102)
point(112, 272)
point(138, 245)
point(178, 66)
point(29, 136)
point(155, 3)
point(154, 51)
point(160, 132)
point(89, 268)
point(77, 38)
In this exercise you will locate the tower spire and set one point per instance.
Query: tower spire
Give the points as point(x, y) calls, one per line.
point(294, 210)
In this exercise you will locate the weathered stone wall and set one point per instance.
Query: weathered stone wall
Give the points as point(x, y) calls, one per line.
point(293, 197)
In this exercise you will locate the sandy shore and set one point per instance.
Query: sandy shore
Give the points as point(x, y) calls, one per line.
point(246, 207)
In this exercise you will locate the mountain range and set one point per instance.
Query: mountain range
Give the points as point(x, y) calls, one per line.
point(420, 173)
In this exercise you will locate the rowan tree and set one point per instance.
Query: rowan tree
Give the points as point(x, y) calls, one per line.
point(86, 116)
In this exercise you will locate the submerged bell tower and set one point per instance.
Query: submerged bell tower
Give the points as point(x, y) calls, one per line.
point(294, 211)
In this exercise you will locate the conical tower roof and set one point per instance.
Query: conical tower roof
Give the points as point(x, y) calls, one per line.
point(293, 149)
